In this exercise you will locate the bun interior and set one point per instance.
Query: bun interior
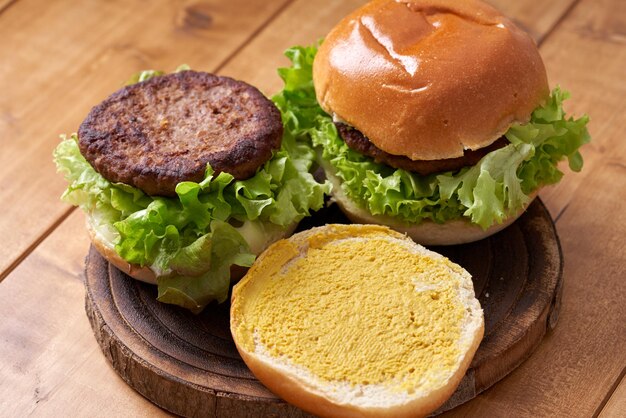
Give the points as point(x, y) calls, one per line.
point(344, 320)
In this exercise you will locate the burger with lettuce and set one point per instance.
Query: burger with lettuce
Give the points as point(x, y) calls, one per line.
point(432, 117)
point(185, 178)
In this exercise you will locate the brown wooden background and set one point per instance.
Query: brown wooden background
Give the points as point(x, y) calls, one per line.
point(59, 58)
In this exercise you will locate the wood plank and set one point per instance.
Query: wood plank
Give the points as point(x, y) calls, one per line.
point(49, 355)
point(536, 17)
point(57, 59)
point(35, 374)
point(616, 405)
point(576, 367)
point(5, 4)
point(587, 56)
point(302, 23)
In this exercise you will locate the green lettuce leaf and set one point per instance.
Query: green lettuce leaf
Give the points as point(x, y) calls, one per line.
point(212, 257)
point(189, 241)
point(148, 74)
point(485, 194)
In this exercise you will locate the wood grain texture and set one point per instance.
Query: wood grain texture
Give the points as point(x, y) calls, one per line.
point(5, 4)
point(302, 23)
point(49, 356)
point(537, 18)
point(66, 57)
point(160, 349)
point(616, 403)
point(591, 38)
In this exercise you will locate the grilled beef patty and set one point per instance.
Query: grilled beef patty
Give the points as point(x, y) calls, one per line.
point(157, 133)
point(360, 143)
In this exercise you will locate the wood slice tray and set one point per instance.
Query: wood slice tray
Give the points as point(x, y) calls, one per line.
point(188, 364)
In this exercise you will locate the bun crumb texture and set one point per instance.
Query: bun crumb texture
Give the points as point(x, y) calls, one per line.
point(356, 320)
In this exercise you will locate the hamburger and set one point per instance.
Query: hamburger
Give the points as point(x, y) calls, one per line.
point(185, 178)
point(433, 117)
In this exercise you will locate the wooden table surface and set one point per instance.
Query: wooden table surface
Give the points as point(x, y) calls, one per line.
point(59, 58)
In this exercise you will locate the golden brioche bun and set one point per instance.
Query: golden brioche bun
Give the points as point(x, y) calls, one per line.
point(429, 79)
point(321, 320)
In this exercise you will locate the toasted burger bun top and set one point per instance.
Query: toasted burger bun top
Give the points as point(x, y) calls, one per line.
point(356, 321)
point(428, 79)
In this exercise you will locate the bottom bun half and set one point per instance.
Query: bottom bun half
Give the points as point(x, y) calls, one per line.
point(289, 384)
point(427, 232)
point(298, 383)
point(107, 251)
point(258, 235)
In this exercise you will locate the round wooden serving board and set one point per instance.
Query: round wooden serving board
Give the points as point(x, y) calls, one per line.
point(188, 364)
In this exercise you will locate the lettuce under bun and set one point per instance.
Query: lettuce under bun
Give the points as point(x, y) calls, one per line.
point(192, 245)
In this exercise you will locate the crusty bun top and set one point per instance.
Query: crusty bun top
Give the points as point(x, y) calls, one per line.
point(429, 78)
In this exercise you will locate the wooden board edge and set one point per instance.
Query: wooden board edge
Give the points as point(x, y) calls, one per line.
point(168, 392)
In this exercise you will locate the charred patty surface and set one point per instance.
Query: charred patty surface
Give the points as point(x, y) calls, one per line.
point(155, 134)
point(360, 143)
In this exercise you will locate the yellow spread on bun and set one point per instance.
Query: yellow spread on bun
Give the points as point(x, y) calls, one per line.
point(356, 319)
